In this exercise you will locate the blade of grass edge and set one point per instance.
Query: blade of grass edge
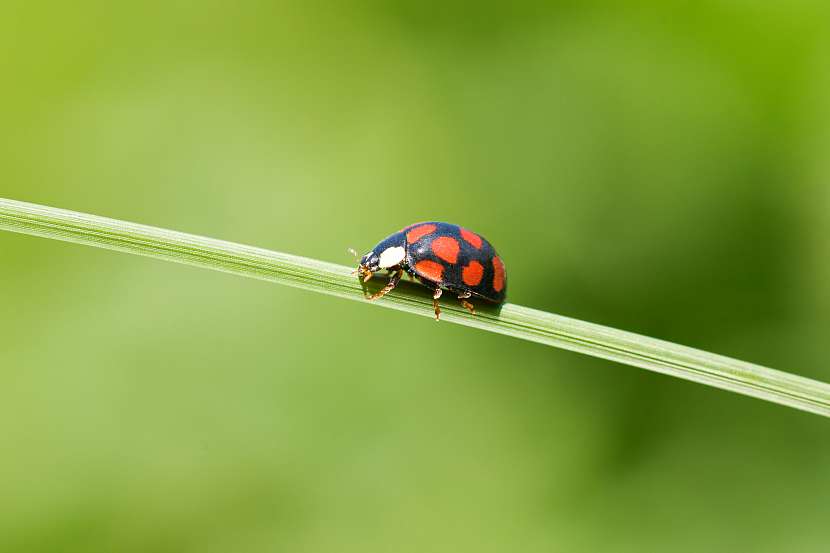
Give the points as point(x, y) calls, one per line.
point(336, 280)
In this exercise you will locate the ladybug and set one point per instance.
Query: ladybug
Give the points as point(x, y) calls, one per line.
point(442, 256)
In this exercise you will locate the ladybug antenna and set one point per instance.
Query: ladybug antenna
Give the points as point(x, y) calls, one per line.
point(356, 256)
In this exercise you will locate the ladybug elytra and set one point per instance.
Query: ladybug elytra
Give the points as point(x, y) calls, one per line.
point(443, 257)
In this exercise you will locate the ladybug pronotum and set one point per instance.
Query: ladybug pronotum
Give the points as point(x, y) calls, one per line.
point(443, 257)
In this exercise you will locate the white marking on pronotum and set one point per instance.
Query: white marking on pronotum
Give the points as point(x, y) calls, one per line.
point(391, 257)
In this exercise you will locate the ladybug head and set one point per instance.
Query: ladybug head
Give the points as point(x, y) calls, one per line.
point(369, 264)
point(389, 253)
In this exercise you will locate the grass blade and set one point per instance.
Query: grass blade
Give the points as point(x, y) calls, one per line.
point(336, 280)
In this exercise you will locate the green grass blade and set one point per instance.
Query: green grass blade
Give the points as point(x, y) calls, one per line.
point(336, 280)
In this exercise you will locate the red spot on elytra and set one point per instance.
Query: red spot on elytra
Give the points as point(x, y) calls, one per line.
point(498, 274)
point(413, 225)
point(446, 248)
point(472, 273)
point(471, 237)
point(431, 270)
point(418, 232)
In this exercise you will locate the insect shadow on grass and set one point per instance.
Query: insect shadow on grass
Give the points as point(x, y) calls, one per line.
point(407, 288)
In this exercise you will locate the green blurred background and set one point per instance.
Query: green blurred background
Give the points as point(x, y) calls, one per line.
point(660, 167)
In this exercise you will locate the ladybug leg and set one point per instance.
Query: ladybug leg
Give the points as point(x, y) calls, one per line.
point(396, 278)
point(435, 295)
point(465, 304)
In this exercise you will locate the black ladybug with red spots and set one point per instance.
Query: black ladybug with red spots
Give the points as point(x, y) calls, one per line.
point(443, 257)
